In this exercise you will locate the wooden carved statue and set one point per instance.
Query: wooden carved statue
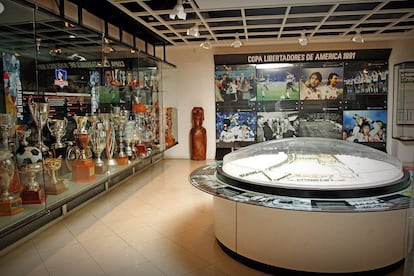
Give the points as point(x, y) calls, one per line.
point(198, 135)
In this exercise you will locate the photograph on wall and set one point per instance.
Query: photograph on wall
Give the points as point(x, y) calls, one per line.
point(364, 126)
point(277, 81)
point(365, 77)
point(276, 125)
point(323, 123)
point(235, 126)
point(321, 81)
point(235, 85)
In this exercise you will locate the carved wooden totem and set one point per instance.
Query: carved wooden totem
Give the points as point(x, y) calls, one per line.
point(198, 135)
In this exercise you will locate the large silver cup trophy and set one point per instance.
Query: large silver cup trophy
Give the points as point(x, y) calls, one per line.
point(98, 140)
point(110, 144)
point(40, 112)
point(57, 128)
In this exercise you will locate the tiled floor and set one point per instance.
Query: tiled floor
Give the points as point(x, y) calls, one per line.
point(156, 223)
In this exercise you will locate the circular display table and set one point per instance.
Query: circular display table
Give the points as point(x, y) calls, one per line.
point(347, 224)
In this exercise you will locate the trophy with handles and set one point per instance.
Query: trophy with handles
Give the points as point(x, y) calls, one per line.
point(40, 113)
point(57, 128)
point(10, 203)
point(98, 139)
point(83, 168)
point(110, 144)
point(54, 185)
point(33, 193)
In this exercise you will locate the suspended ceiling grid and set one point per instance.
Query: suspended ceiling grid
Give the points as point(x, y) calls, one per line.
point(271, 22)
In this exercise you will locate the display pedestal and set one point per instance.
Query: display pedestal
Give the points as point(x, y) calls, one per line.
point(55, 188)
point(11, 207)
point(122, 160)
point(83, 170)
point(33, 197)
point(101, 169)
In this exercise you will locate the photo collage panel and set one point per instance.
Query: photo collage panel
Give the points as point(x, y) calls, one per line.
point(314, 99)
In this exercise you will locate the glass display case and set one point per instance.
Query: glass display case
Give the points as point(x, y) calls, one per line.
point(404, 101)
point(317, 167)
point(80, 112)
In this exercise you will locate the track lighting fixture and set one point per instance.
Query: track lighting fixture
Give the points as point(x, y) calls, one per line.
point(357, 38)
point(303, 40)
point(206, 44)
point(237, 42)
point(193, 31)
point(178, 11)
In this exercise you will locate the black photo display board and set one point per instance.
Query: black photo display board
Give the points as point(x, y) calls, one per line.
point(335, 94)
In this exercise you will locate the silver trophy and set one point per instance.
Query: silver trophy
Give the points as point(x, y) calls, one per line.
point(57, 128)
point(40, 112)
point(98, 137)
point(6, 174)
point(7, 122)
point(110, 138)
point(120, 117)
point(129, 132)
point(31, 171)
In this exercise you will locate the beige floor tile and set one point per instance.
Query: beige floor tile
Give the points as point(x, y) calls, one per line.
point(136, 237)
point(23, 260)
point(70, 253)
point(85, 266)
point(144, 269)
point(53, 238)
point(104, 244)
point(158, 248)
point(117, 260)
point(180, 263)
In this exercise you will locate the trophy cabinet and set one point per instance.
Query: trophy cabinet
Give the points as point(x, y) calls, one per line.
point(77, 117)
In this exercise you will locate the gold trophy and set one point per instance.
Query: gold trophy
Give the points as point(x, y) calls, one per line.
point(54, 186)
point(83, 169)
point(57, 128)
point(10, 203)
point(33, 192)
point(40, 113)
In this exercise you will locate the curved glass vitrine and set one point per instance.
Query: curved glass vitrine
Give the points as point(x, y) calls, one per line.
point(313, 167)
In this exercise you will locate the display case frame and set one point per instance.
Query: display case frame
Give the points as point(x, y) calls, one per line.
point(403, 128)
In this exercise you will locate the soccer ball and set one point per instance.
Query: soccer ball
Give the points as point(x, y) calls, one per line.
point(282, 97)
point(28, 155)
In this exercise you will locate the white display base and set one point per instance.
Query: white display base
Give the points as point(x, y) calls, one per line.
point(325, 242)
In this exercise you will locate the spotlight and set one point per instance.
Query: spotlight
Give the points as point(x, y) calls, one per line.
point(178, 11)
point(193, 31)
point(303, 40)
point(237, 42)
point(358, 37)
point(206, 44)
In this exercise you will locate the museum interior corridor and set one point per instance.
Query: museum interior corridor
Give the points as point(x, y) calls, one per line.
point(155, 223)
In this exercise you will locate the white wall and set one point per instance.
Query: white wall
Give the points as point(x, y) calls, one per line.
point(195, 85)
